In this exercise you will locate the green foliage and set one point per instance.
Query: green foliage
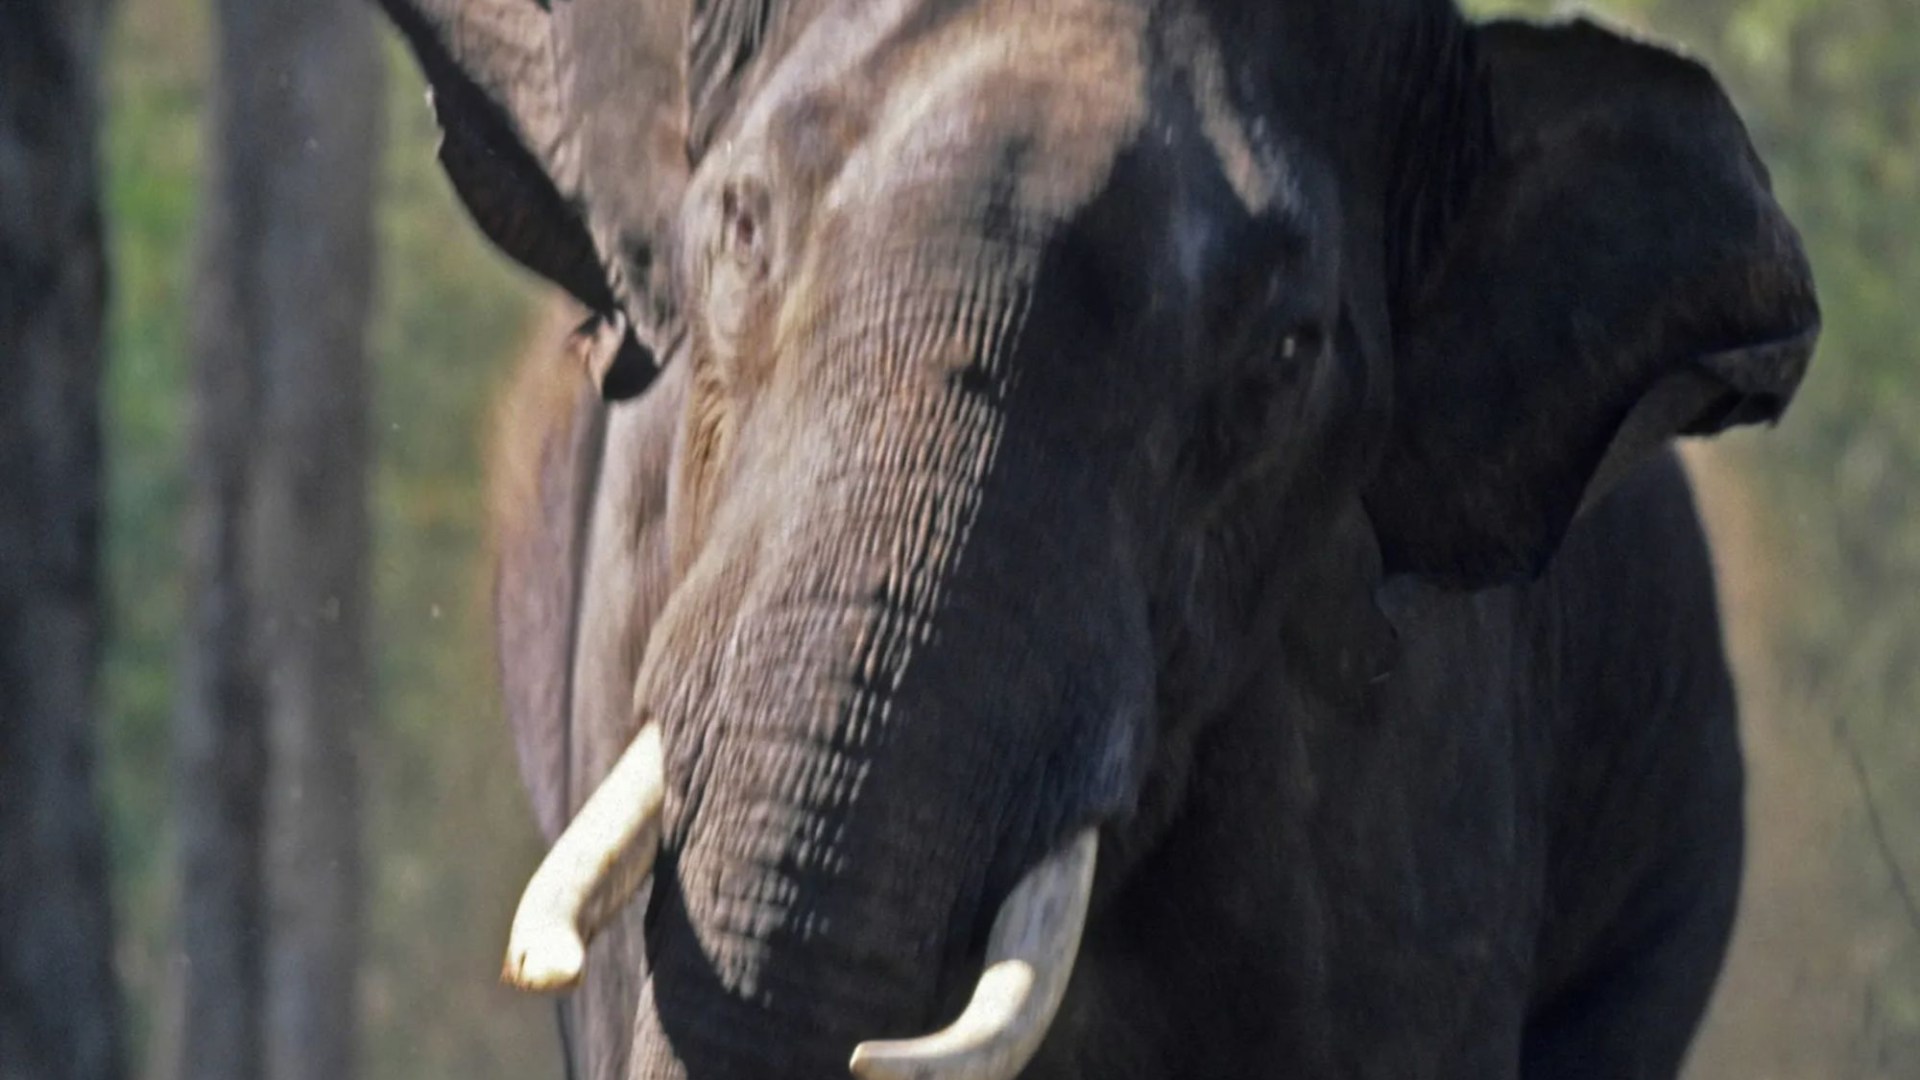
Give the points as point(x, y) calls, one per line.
point(1834, 93)
point(154, 96)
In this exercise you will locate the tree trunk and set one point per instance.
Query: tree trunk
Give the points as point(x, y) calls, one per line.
point(220, 757)
point(279, 687)
point(59, 1003)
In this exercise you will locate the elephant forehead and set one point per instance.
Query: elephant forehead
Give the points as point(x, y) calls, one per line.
point(1031, 106)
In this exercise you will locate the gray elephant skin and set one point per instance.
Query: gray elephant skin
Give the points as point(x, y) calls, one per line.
point(1243, 428)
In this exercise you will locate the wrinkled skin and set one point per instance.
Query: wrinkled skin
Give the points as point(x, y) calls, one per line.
point(1241, 427)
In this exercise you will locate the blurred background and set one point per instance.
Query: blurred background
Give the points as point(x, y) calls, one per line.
point(401, 824)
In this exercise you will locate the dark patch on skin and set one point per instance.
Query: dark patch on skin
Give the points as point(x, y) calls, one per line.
point(744, 210)
point(973, 379)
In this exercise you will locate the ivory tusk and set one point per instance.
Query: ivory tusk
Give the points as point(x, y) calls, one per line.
point(1030, 957)
point(595, 867)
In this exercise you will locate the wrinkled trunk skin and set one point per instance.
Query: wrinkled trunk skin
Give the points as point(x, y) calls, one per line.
point(867, 741)
point(813, 905)
point(59, 1002)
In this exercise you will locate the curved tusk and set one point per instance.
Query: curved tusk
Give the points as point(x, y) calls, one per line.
point(1029, 959)
point(591, 872)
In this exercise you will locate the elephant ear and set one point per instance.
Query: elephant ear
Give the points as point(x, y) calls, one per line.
point(1619, 274)
point(563, 134)
point(549, 433)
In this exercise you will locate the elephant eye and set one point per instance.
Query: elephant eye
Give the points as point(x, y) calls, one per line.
point(1303, 342)
point(744, 207)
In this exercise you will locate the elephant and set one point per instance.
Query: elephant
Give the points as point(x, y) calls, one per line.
point(1117, 538)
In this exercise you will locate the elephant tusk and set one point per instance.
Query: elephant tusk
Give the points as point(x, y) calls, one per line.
point(591, 872)
point(1030, 957)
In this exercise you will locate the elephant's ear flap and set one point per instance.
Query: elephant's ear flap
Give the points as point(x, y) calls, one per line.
point(515, 146)
point(1619, 274)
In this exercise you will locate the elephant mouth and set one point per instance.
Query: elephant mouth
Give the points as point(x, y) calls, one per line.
point(599, 862)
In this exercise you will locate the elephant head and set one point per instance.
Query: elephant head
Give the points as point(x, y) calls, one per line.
point(1019, 355)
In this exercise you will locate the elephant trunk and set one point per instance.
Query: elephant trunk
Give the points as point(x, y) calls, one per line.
point(901, 669)
point(1029, 960)
point(835, 862)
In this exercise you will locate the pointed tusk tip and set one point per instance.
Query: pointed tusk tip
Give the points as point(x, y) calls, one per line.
point(544, 961)
point(872, 1061)
point(1030, 955)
